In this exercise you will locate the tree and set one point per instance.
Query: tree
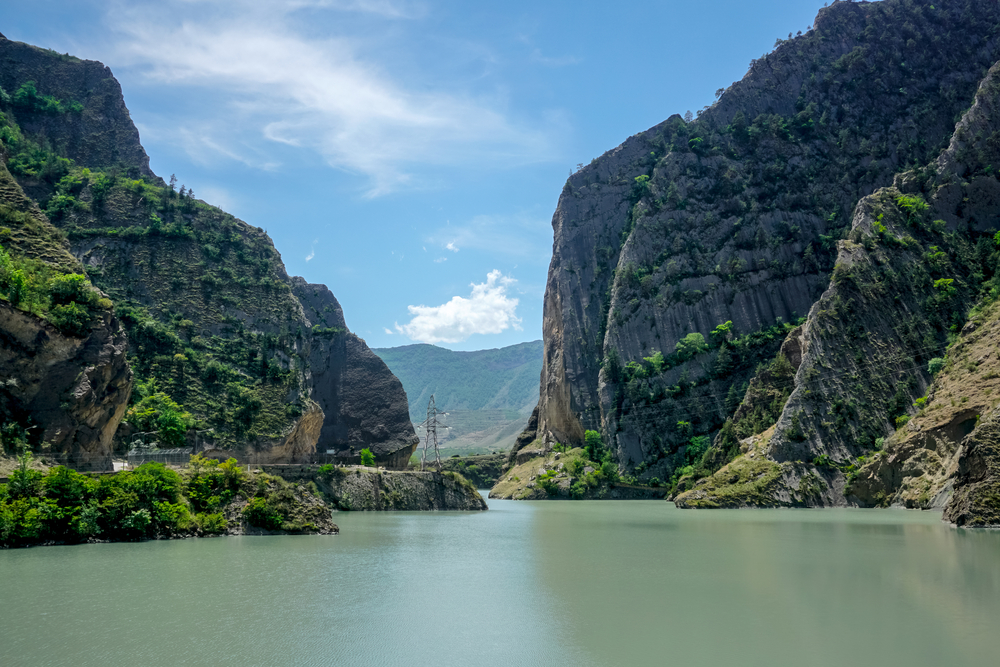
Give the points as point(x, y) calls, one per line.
point(690, 345)
point(173, 184)
point(367, 458)
point(594, 445)
point(688, 116)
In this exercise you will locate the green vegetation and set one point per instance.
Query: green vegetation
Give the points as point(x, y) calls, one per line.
point(28, 98)
point(151, 501)
point(160, 413)
point(68, 301)
point(743, 483)
point(367, 458)
point(190, 264)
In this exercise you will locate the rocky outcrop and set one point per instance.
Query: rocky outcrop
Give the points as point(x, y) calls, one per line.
point(101, 133)
point(483, 470)
point(364, 404)
point(365, 489)
point(564, 475)
point(919, 462)
point(976, 501)
point(734, 218)
point(71, 391)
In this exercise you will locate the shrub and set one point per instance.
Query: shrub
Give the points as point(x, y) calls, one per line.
point(24, 481)
point(690, 345)
point(594, 446)
point(367, 458)
point(69, 288)
point(213, 524)
point(72, 319)
point(158, 412)
point(935, 365)
point(259, 513)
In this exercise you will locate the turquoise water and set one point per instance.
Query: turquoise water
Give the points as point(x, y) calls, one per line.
point(547, 583)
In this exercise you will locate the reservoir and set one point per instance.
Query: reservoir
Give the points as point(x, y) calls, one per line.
point(544, 583)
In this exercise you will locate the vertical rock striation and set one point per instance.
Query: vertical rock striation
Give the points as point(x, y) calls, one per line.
point(734, 217)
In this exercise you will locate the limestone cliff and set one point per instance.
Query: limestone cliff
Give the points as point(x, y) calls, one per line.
point(733, 219)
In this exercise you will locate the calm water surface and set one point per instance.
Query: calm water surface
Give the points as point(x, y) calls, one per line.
point(548, 583)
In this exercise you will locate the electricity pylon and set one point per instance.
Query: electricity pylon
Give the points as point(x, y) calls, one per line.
point(430, 434)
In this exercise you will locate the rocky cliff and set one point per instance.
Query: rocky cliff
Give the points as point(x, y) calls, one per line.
point(683, 258)
point(220, 338)
point(895, 368)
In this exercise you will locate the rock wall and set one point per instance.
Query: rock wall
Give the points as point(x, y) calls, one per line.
point(976, 501)
point(102, 134)
point(919, 256)
point(734, 216)
point(73, 391)
point(364, 404)
point(365, 489)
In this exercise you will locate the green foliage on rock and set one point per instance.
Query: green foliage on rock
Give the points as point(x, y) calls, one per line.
point(65, 506)
point(68, 301)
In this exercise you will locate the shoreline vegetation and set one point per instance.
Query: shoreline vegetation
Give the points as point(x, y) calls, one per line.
point(205, 498)
point(208, 498)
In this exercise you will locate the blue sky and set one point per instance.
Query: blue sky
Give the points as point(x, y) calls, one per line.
point(408, 154)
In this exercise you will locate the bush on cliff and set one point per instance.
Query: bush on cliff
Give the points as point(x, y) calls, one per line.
point(68, 301)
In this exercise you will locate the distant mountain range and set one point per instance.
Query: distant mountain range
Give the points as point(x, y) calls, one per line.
point(488, 394)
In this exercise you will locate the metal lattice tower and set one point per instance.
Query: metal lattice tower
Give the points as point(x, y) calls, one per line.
point(430, 434)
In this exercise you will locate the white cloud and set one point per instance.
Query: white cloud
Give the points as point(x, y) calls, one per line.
point(451, 246)
point(257, 67)
point(440, 260)
point(488, 310)
point(312, 250)
point(388, 330)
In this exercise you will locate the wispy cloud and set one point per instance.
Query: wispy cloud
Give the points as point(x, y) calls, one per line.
point(561, 61)
point(440, 260)
point(487, 310)
point(261, 69)
point(520, 236)
point(312, 250)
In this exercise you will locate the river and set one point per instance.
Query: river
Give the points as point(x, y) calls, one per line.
point(545, 583)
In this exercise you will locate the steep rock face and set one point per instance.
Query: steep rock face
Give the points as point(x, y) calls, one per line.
point(733, 217)
point(906, 276)
point(101, 134)
point(214, 321)
point(74, 391)
point(920, 460)
point(976, 501)
point(363, 402)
